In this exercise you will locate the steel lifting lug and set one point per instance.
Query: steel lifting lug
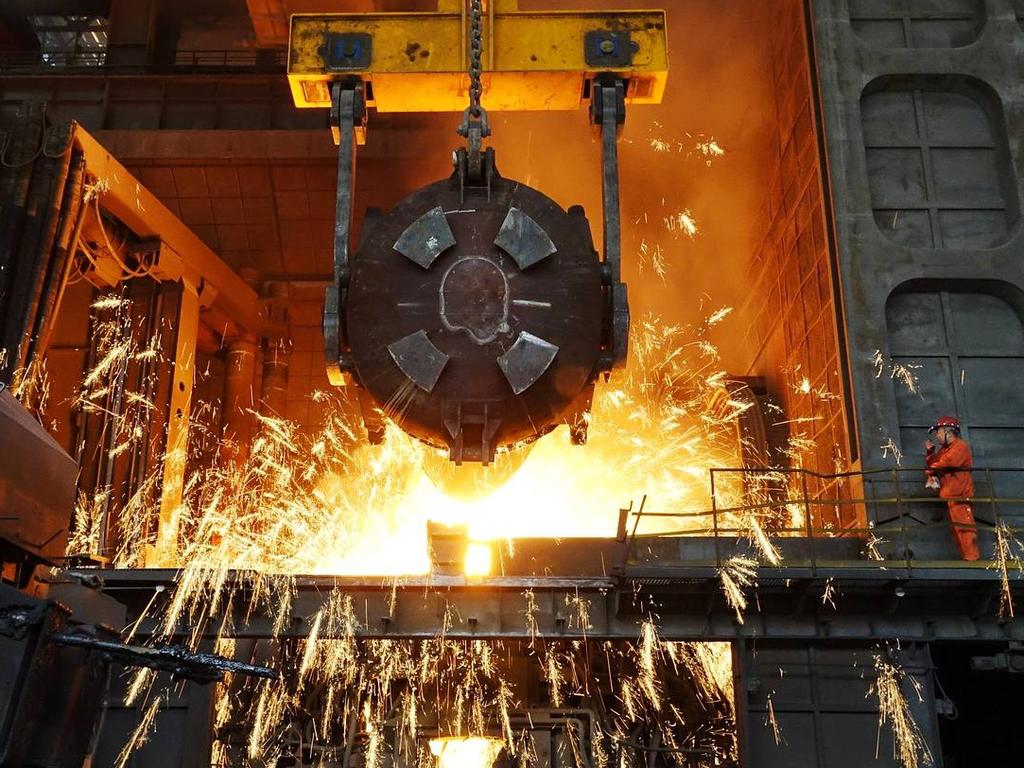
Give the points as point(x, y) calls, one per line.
point(474, 130)
point(608, 110)
point(347, 114)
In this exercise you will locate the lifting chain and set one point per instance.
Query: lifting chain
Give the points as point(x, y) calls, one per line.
point(474, 126)
point(476, 52)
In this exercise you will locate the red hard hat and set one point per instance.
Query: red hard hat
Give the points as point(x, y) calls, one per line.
point(946, 421)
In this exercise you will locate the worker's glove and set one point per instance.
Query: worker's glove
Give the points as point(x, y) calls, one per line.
point(932, 483)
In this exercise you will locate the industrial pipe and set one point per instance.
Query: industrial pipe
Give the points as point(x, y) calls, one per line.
point(277, 353)
point(236, 418)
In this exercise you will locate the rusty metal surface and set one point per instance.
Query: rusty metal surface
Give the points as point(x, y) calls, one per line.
point(419, 359)
point(431, 274)
point(426, 238)
point(523, 239)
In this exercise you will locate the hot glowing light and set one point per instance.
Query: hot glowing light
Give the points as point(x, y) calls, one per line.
point(478, 559)
point(468, 752)
point(333, 504)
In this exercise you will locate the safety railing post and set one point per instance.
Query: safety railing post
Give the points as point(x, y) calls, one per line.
point(904, 540)
point(808, 523)
point(994, 504)
point(875, 494)
point(714, 520)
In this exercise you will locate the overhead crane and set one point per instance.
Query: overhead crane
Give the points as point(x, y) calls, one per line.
point(477, 313)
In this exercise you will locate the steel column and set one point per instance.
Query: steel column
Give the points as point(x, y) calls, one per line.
point(176, 444)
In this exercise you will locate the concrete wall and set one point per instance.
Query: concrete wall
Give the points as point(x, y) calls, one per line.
point(924, 114)
point(817, 705)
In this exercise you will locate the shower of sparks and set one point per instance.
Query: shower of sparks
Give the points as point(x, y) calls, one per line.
point(1009, 552)
point(770, 720)
point(140, 735)
point(871, 546)
point(904, 373)
point(384, 697)
point(737, 574)
point(578, 609)
point(909, 745)
point(704, 147)
point(95, 189)
point(758, 537)
point(710, 148)
point(652, 257)
point(829, 593)
point(650, 659)
point(31, 385)
point(719, 315)
point(530, 614)
point(801, 385)
point(889, 446)
point(103, 388)
point(683, 222)
point(330, 503)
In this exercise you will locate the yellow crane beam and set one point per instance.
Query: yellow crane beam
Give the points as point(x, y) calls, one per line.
point(416, 62)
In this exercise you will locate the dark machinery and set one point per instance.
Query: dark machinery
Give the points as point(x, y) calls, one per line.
point(37, 493)
point(476, 314)
point(59, 635)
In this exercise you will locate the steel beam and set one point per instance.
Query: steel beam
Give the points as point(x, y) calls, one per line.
point(175, 457)
point(687, 604)
point(183, 256)
point(416, 62)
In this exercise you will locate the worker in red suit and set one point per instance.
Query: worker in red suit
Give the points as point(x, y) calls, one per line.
point(949, 470)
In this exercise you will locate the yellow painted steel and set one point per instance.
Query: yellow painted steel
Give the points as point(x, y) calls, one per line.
point(532, 60)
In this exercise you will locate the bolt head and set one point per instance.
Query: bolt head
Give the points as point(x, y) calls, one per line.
point(607, 46)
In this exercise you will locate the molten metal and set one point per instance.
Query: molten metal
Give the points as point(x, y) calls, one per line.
point(465, 752)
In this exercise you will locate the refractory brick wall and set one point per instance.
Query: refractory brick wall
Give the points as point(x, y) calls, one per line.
point(791, 315)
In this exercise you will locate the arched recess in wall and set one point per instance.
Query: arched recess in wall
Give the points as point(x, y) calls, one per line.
point(918, 23)
point(939, 166)
point(962, 342)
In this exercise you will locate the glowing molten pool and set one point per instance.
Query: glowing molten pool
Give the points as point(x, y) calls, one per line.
point(465, 752)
